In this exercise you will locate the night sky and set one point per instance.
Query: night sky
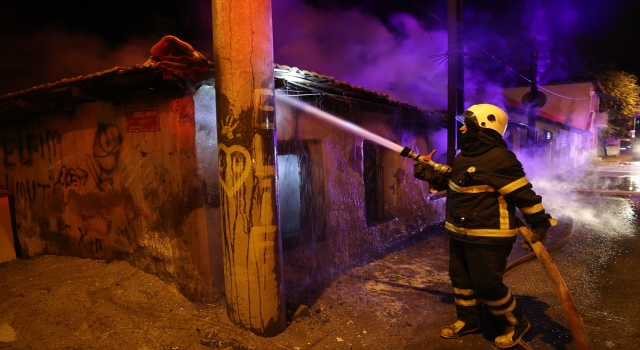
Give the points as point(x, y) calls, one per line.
point(394, 47)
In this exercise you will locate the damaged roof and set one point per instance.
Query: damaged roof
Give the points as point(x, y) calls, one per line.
point(173, 66)
point(327, 84)
point(113, 85)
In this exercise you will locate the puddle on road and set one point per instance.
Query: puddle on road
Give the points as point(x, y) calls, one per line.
point(621, 183)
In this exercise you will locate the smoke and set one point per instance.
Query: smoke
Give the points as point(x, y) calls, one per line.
point(358, 48)
point(552, 28)
point(615, 216)
point(396, 56)
point(401, 58)
point(47, 56)
point(569, 193)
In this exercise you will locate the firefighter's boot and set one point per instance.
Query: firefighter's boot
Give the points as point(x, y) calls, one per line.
point(459, 328)
point(512, 335)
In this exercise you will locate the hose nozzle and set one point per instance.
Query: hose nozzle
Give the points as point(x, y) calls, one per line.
point(407, 152)
point(439, 168)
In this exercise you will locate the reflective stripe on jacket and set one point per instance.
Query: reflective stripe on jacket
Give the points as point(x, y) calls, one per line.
point(483, 193)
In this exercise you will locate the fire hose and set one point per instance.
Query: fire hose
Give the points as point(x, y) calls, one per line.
point(578, 330)
point(566, 238)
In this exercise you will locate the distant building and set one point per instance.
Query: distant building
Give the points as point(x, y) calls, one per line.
point(567, 125)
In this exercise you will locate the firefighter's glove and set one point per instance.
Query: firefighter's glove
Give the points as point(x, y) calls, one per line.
point(539, 235)
point(422, 171)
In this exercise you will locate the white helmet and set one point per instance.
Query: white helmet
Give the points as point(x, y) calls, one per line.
point(488, 116)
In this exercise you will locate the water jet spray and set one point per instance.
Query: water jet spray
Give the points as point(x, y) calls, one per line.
point(340, 122)
point(404, 151)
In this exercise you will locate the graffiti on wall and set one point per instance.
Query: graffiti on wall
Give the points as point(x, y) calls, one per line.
point(70, 177)
point(249, 215)
point(27, 190)
point(31, 191)
point(20, 146)
point(40, 176)
point(106, 154)
point(89, 245)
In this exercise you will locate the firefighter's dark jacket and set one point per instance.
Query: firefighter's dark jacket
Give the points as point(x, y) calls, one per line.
point(485, 185)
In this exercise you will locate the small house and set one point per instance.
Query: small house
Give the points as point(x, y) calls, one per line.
point(123, 165)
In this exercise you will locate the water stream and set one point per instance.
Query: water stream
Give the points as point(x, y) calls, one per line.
point(340, 123)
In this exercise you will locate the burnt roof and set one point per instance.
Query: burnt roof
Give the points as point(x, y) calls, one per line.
point(330, 86)
point(161, 73)
point(114, 85)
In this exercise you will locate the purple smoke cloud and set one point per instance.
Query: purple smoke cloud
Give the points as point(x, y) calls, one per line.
point(358, 48)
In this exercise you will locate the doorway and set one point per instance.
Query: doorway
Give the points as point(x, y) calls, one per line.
point(301, 193)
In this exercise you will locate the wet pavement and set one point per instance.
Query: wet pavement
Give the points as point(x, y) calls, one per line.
point(398, 301)
point(596, 251)
point(599, 268)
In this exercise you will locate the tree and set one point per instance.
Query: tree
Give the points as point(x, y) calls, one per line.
point(621, 113)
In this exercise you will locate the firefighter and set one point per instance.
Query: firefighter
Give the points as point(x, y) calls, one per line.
point(485, 184)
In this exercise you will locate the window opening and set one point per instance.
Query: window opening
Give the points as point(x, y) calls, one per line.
point(301, 193)
point(289, 199)
point(373, 174)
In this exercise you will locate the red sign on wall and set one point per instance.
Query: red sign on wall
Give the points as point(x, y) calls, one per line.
point(143, 119)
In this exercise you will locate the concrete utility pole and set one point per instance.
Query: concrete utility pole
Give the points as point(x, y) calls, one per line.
point(455, 87)
point(245, 104)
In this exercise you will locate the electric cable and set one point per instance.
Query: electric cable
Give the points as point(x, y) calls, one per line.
point(445, 55)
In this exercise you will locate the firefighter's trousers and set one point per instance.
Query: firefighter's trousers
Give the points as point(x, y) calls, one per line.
point(476, 272)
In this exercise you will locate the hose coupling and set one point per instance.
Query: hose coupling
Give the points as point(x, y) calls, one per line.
point(439, 168)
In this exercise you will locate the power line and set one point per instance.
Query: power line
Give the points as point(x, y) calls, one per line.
point(441, 58)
